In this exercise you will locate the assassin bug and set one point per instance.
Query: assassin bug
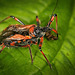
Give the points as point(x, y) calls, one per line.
point(25, 35)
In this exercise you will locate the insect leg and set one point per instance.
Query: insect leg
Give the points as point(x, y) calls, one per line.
point(13, 18)
point(30, 53)
point(51, 20)
point(38, 21)
point(2, 48)
point(55, 32)
point(46, 58)
point(40, 45)
point(2, 44)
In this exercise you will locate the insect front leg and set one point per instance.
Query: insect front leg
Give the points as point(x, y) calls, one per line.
point(40, 45)
point(55, 32)
point(51, 36)
point(51, 20)
point(13, 18)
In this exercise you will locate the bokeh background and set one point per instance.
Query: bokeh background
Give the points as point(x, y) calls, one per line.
point(61, 52)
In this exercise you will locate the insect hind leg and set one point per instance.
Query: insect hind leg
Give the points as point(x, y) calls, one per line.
point(2, 48)
point(13, 18)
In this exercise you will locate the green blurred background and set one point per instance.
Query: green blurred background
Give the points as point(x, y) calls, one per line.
point(61, 52)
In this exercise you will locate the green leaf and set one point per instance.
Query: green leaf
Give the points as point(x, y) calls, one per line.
point(61, 52)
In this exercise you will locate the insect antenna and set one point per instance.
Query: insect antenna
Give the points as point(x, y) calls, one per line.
point(52, 16)
point(54, 7)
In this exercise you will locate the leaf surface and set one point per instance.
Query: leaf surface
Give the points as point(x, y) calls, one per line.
point(61, 52)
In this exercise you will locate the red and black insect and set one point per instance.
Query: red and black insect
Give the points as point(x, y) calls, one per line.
point(25, 35)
